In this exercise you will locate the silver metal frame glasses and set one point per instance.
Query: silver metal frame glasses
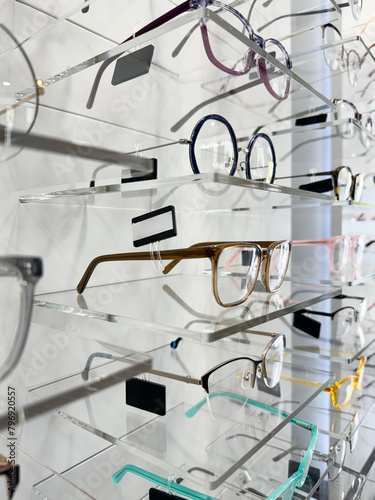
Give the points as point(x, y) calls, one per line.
point(232, 378)
point(26, 271)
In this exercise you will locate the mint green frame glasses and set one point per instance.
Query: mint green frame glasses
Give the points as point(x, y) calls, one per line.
point(285, 490)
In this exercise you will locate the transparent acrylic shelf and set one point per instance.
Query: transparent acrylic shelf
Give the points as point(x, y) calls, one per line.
point(175, 310)
point(178, 441)
point(258, 477)
point(73, 388)
point(211, 191)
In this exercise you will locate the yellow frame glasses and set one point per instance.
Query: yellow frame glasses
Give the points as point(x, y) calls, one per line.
point(355, 383)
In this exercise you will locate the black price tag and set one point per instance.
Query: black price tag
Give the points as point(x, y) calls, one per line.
point(275, 391)
point(145, 395)
point(154, 226)
point(133, 65)
point(133, 175)
point(155, 494)
point(306, 324)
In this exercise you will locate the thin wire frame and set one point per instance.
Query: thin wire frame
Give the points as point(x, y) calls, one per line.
point(28, 270)
point(210, 250)
point(260, 370)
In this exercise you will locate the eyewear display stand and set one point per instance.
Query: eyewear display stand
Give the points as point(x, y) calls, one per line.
point(174, 311)
point(188, 436)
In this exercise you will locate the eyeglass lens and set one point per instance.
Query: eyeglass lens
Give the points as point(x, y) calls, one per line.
point(358, 250)
point(344, 183)
point(344, 111)
point(340, 254)
point(353, 67)
point(10, 307)
point(261, 160)
point(274, 362)
point(279, 259)
point(235, 56)
point(214, 149)
point(342, 322)
point(344, 392)
point(16, 76)
point(280, 83)
point(333, 56)
point(234, 378)
point(237, 272)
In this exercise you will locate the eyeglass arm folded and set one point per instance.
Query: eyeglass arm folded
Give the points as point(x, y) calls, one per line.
point(160, 481)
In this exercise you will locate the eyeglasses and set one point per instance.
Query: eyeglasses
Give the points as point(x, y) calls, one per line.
point(234, 376)
point(341, 391)
point(340, 249)
point(11, 472)
point(213, 146)
point(347, 111)
point(235, 266)
point(284, 491)
point(277, 87)
point(355, 6)
point(336, 57)
point(16, 112)
point(18, 277)
point(344, 184)
point(344, 317)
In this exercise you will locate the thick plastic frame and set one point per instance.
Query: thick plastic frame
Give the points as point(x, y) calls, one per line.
point(210, 250)
point(28, 270)
point(296, 479)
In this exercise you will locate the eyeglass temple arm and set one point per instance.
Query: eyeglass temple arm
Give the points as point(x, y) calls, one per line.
point(171, 265)
point(39, 90)
point(160, 481)
point(185, 253)
point(318, 313)
point(181, 378)
point(184, 7)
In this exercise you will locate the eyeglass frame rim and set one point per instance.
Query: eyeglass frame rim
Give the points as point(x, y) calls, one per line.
point(225, 122)
point(29, 270)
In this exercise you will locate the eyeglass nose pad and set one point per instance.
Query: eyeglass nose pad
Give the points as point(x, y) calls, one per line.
point(246, 379)
point(259, 372)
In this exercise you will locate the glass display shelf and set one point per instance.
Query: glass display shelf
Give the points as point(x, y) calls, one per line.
point(30, 405)
point(169, 27)
point(210, 191)
point(166, 74)
point(181, 304)
point(187, 435)
point(254, 480)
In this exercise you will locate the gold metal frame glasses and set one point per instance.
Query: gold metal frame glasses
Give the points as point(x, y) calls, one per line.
point(262, 250)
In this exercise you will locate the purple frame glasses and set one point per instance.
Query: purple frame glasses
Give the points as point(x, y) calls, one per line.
point(247, 60)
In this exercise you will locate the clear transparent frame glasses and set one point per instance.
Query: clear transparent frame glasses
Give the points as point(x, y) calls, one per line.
point(336, 57)
point(18, 277)
point(235, 266)
point(213, 147)
point(234, 376)
point(279, 90)
point(346, 110)
point(342, 250)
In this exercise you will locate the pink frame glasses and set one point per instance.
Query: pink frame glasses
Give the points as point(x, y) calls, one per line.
point(340, 248)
